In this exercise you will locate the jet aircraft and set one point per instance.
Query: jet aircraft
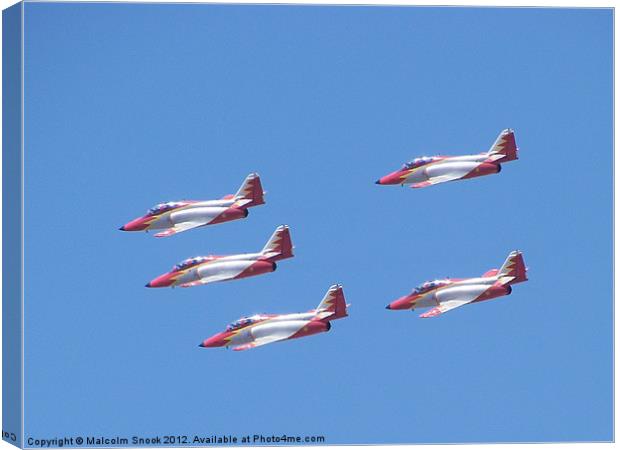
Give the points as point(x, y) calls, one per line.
point(449, 293)
point(261, 329)
point(429, 170)
point(175, 217)
point(208, 269)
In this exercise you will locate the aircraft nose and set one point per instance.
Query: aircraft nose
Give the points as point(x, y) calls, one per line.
point(164, 280)
point(392, 178)
point(401, 303)
point(135, 225)
point(214, 341)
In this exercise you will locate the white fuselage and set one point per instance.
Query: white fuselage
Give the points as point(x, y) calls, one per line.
point(468, 289)
point(282, 327)
point(204, 212)
point(457, 166)
point(225, 267)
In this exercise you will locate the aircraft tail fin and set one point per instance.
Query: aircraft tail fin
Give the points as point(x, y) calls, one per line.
point(504, 147)
point(252, 190)
point(334, 303)
point(514, 268)
point(279, 245)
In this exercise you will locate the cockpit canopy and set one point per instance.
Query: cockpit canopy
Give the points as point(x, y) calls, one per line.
point(189, 262)
point(164, 207)
point(429, 285)
point(243, 322)
point(417, 162)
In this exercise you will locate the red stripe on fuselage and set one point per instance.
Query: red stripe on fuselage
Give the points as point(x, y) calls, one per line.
point(313, 327)
point(258, 268)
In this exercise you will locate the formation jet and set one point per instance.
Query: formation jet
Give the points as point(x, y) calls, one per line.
point(447, 294)
point(208, 269)
point(261, 329)
point(175, 217)
point(429, 170)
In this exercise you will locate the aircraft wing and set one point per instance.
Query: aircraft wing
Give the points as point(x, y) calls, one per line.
point(179, 228)
point(207, 280)
point(437, 180)
point(445, 307)
point(258, 342)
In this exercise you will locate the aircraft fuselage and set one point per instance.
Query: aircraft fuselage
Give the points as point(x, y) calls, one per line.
point(287, 326)
point(472, 289)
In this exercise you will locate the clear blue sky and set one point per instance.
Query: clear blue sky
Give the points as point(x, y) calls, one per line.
point(130, 105)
